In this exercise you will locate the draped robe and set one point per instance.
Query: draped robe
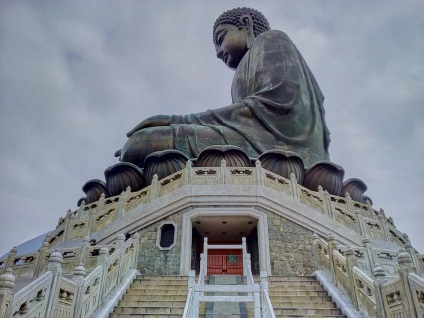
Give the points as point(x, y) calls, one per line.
point(277, 104)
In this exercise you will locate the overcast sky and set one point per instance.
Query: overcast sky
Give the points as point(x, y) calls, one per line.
point(75, 76)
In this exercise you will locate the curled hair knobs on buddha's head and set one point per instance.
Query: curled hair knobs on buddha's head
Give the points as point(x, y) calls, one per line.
point(233, 16)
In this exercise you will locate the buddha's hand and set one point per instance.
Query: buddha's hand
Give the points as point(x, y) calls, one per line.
point(154, 121)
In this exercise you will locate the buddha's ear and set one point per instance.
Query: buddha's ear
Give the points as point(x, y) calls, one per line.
point(246, 20)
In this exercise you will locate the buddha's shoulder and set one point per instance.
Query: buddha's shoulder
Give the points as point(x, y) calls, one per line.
point(272, 36)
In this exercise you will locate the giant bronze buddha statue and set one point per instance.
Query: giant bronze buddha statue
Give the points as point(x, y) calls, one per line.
point(277, 103)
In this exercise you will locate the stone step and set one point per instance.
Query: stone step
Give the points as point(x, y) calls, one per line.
point(313, 299)
point(283, 293)
point(149, 310)
point(291, 278)
point(182, 297)
point(295, 283)
point(306, 311)
point(299, 287)
point(157, 286)
point(140, 292)
point(153, 303)
point(303, 304)
point(160, 282)
point(113, 315)
point(170, 277)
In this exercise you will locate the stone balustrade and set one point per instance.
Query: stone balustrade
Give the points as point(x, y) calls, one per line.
point(376, 294)
point(53, 294)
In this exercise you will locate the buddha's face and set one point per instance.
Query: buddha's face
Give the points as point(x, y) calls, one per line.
point(230, 44)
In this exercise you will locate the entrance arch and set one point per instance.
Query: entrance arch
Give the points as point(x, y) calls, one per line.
point(238, 222)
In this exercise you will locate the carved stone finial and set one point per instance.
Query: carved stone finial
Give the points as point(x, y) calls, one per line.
point(7, 280)
point(104, 251)
point(80, 270)
point(86, 239)
point(120, 237)
point(14, 250)
point(366, 241)
point(404, 259)
point(350, 252)
point(56, 257)
point(379, 271)
point(136, 236)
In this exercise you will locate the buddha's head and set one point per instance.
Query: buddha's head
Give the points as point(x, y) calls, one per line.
point(234, 32)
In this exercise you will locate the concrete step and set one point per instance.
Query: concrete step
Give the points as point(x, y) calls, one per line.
point(295, 283)
point(303, 304)
point(299, 287)
point(159, 291)
point(169, 297)
point(149, 310)
point(291, 278)
point(313, 299)
point(160, 281)
point(283, 293)
point(155, 303)
point(306, 311)
point(157, 286)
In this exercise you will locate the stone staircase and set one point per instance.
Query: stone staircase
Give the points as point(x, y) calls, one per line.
point(301, 296)
point(152, 297)
point(165, 296)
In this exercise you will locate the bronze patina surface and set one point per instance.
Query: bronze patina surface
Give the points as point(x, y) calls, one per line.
point(277, 103)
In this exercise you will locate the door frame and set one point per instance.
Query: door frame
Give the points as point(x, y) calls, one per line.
point(186, 234)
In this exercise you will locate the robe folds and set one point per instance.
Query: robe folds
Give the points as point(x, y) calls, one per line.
point(277, 104)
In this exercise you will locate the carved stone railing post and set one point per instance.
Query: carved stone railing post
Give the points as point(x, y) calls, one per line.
point(371, 256)
point(120, 242)
point(326, 198)
point(55, 267)
point(68, 217)
point(189, 171)
point(7, 283)
point(360, 220)
point(101, 203)
point(349, 201)
point(154, 187)
point(294, 187)
point(380, 279)
point(78, 277)
point(351, 262)
point(102, 261)
point(224, 176)
point(120, 207)
point(259, 173)
point(136, 240)
point(41, 256)
point(332, 246)
point(383, 221)
point(83, 250)
point(11, 257)
point(406, 267)
point(315, 239)
point(411, 251)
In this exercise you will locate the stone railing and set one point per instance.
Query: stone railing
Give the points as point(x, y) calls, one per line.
point(89, 219)
point(376, 294)
point(54, 295)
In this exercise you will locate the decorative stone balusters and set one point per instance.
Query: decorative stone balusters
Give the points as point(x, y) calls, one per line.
point(7, 284)
point(332, 246)
point(123, 175)
point(351, 262)
point(163, 163)
point(356, 188)
point(412, 254)
point(326, 174)
point(11, 257)
point(405, 268)
point(283, 163)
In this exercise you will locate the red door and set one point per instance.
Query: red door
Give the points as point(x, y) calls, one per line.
point(225, 262)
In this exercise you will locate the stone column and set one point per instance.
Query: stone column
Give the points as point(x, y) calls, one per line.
point(55, 266)
point(383, 220)
point(406, 267)
point(83, 250)
point(188, 172)
point(154, 187)
point(120, 242)
point(351, 262)
point(41, 255)
point(315, 239)
point(294, 187)
point(411, 251)
point(78, 277)
point(11, 257)
point(370, 253)
point(380, 279)
point(102, 261)
point(136, 240)
point(259, 173)
point(332, 245)
point(224, 176)
point(7, 283)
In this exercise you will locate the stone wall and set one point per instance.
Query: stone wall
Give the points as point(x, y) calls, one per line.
point(152, 260)
point(290, 247)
